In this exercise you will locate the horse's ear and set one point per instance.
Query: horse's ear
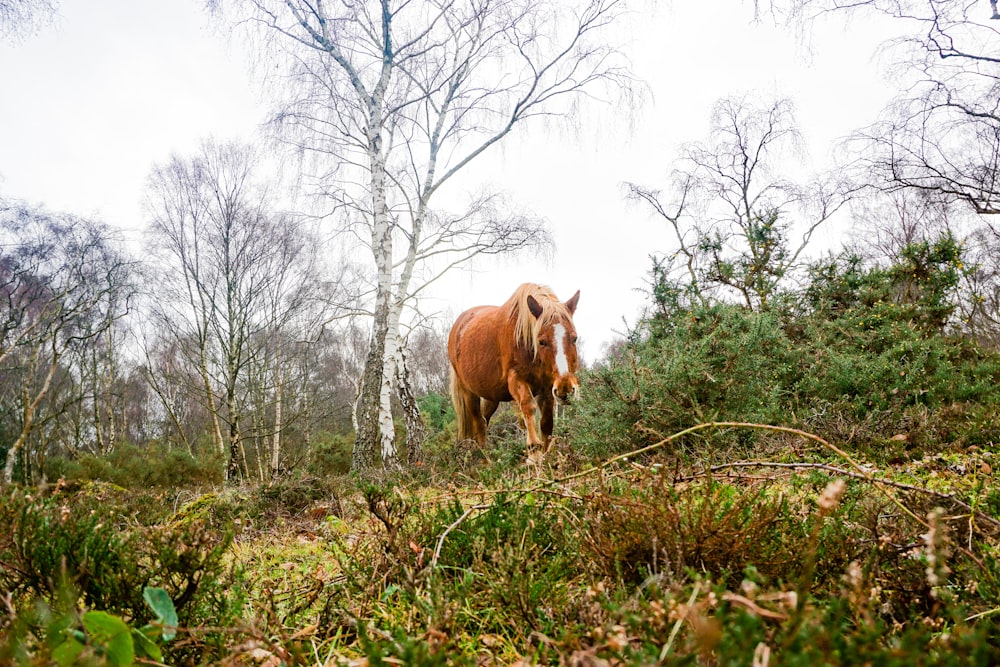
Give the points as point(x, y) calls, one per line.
point(534, 306)
point(571, 304)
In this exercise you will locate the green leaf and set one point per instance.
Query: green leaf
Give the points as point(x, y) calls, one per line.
point(161, 604)
point(67, 652)
point(111, 634)
point(145, 646)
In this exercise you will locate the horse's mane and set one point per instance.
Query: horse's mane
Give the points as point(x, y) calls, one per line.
point(526, 325)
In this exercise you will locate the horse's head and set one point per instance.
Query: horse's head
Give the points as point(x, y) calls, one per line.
point(556, 346)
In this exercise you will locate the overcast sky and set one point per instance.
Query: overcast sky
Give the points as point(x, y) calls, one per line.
point(111, 87)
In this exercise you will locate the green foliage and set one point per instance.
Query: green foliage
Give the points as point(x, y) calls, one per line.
point(867, 345)
point(918, 288)
point(82, 542)
point(719, 363)
point(330, 455)
point(110, 637)
point(437, 410)
point(135, 467)
point(756, 271)
point(64, 635)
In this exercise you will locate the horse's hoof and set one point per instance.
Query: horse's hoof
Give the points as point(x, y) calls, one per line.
point(534, 457)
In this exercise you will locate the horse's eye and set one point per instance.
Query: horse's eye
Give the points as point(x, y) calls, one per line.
point(543, 343)
point(572, 339)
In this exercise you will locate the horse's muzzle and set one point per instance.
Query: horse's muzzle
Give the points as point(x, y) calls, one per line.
point(565, 396)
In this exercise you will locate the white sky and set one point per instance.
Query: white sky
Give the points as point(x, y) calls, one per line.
point(91, 102)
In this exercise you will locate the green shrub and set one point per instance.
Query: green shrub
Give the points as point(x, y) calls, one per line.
point(865, 346)
point(437, 410)
point(82, 542)
point(330, 455)
point(720, 363)
point(136, 467)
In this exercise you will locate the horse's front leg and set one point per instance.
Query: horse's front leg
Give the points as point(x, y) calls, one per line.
point(546, 406)
point(520, 391)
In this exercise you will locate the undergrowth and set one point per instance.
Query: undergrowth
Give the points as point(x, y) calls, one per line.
point(643, 560)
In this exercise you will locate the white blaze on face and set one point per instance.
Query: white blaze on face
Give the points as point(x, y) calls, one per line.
point(562, 364)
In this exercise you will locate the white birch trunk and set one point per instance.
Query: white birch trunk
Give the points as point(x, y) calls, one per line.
point(387, 429)
point(276, 441)
point(220, 444)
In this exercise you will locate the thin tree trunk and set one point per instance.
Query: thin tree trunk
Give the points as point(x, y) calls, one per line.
point(98, 413)
point(220, 446)
point(30, 406)
point(236, 453)
point(415, 433)
point(168, 405)
point(276, 440)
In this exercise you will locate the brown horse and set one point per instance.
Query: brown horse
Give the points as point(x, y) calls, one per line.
point(523, 351)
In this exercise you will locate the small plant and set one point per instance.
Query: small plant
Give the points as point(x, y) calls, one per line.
point(110, 637)
point(44, 634)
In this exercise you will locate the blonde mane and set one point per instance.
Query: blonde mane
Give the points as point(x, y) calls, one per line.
point(526, 325)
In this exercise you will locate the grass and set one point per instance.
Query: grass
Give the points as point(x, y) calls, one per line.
point(646, 558)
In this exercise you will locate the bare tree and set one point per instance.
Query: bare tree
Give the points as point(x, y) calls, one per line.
point(63, 285)
point(941, 135)
point(397, 97)
point(294, 316)
point(731, 215)
point(18, 17)
point(889, 222)
point(232, 273)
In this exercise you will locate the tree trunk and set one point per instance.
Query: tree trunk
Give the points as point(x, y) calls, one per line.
point(220, 446)
point(236, 453)
point(367, 443)
point(374, 434)
point(30, 406)
point(387, 427)
point(276, 440)
point(415, 433)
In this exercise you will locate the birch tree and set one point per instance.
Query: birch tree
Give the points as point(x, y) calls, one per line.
point(397, 97)
point(229, 277)
point(63, 285)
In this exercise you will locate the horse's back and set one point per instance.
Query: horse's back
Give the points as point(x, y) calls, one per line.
point(475, 352)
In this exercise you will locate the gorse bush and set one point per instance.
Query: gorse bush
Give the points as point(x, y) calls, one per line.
point(330, 456)
point(918, 287)
point(139, 467)
point(720, 363)
point(865, 345)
